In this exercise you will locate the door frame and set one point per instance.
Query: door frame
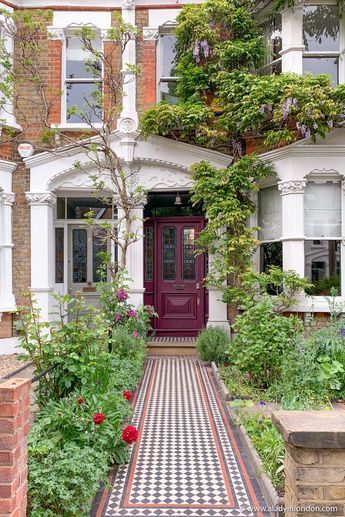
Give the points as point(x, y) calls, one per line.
point(154, 221)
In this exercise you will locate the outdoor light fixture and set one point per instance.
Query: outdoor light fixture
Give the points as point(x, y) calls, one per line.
point(178, 201)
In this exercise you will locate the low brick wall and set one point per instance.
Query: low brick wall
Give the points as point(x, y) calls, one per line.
point(314, 462)
point(14, 427)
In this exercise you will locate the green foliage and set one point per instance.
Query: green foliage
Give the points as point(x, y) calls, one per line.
point(226, 197)
point(240, 385)
point(269, 445)
point(61, 482)
point(125, 345)
point(262, 339)
point(212, 343)
point(283, 286)
point(313, 370)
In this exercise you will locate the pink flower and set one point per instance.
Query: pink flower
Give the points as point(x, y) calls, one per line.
point(118, 317)
point(121, 295)
point(135, 333)
point(132, 314)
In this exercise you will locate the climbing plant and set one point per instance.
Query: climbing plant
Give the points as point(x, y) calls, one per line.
point(224, 104)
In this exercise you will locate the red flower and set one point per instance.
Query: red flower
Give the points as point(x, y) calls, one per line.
point(226, 365)
point(98, 418)
point(80, 400)
point(127, 395)
point(130, 434)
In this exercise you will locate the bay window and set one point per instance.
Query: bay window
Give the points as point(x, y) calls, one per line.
point(270, 224)
point(83, 82)
point(272, 33)
point(321, 37)
point(322, 210)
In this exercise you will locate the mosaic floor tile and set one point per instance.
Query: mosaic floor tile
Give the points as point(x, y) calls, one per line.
point(187, 460)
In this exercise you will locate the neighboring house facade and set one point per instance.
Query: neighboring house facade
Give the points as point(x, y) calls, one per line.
point(45, 246)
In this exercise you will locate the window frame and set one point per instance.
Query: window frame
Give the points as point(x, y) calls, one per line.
point(70, 32)
point(268, 68)
point(326, 53)
point(164, 30)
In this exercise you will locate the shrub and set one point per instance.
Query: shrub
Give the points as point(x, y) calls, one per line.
point(62, 481)
point(212, 343)
point(269, 444)
point(125, 345)
point(263, 337)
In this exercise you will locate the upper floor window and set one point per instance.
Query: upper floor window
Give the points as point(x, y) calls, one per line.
point(321, 37)
point(83, 82)
point(166, 74)
point(272, 33)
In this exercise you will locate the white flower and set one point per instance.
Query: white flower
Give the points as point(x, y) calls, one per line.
point(276, 34)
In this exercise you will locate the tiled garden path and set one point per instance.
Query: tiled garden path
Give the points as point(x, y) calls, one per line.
point(187, 460)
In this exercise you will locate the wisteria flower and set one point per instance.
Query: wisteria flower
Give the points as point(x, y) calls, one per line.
point(130, 435)
point(132, 314)
point(196, 51)
point(276, 34)
point(121, 295)
point(342, 332)
point(205, 48)
point(330, 123)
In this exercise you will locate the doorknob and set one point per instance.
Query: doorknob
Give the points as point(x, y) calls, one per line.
point(198, 285)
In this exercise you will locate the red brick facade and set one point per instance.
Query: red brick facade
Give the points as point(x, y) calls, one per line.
point(14, 427)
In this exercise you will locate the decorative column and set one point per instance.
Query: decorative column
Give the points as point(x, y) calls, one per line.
point(129, 110)
point(135, 252)
point(292, 193)
point(42, 250)
point(292, 42)
point(7, 299)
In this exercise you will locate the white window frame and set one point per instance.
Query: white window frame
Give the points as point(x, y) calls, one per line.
point(165, 29)
point(69, 31)
point(336, 54)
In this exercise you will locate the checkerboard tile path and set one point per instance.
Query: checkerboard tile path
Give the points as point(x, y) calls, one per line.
point(187, 460)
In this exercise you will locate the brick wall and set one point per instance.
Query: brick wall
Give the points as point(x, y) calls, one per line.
point(14, 427)
point(6, 325)
point(54, 80)
point(146, 60)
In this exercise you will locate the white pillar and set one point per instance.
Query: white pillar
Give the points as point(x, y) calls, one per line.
point(42, 251)
point(292, 40)
point(7, 300)
point(129, 109)
point(217, 309)
point(292, 193)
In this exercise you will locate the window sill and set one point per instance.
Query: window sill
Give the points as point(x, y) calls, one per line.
point(76, 126)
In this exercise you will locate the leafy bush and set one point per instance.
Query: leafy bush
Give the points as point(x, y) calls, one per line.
point(240, 385)
point(125, 345)
point(62, 481)
point(269, 444)
point(313, 371)
point(212, 343)
point(263, 337)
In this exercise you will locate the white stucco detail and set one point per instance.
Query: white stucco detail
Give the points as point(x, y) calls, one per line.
point(7, 198)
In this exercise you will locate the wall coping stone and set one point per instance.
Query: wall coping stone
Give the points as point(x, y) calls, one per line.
point(311, 429)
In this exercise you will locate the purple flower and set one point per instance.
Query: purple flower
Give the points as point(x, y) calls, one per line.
point(121, 295)
point(342, 332)
point(196, 51)
point(330, 123)
point(263, 403)
point(118, 317)
point(135, 333)
point(205, 48)
point(132, 314)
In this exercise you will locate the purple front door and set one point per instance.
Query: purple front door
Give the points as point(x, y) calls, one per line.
point(175, 283)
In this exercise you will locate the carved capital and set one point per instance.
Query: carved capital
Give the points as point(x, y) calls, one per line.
point(150, 33)
point(41, 198)
point(128, 5)
point(292, 187)
point(8, 197)
point(56, 33)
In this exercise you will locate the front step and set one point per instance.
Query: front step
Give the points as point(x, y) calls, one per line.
point(172, 346)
